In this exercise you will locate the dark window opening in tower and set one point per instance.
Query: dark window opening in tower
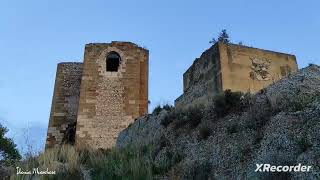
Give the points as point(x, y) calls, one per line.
point(113, 62)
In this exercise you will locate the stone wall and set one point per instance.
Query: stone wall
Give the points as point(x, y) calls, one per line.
point(64, 102)
point(110, 101)
point(251, 69)
point(236, 67)
point(202, 80)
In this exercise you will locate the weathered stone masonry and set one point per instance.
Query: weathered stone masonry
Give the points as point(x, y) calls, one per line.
point(65, 102)
point(109, 100)
point(102, 96)
point(236, 67)
point(202, 80)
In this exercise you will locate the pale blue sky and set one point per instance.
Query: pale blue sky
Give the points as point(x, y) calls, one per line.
point(37, 34)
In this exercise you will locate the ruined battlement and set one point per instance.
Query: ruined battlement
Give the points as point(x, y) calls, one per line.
point(236, 67)
point(116, 43)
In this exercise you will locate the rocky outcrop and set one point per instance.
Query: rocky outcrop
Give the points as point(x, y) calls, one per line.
point(280, 126)
point(143, 131)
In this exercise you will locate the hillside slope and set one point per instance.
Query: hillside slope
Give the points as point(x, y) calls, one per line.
point(279, 125)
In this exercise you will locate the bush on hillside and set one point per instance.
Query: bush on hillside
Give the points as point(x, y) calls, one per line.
point(168, 107)
point(304, 144)
point(283, 102)
point(204, 132)
point(158, 108)
point(191, 116)
point(226, 102)
point(172, 157)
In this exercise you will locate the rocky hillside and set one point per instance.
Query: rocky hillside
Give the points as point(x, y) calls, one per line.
point(279, 125)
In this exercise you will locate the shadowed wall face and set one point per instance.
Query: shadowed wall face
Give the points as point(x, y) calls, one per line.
point(114, 91)
point(202, 80)
point(65, 102)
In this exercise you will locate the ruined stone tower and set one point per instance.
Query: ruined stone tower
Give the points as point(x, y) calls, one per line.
point(65, 101)
point(113, 92)
point(235, 67)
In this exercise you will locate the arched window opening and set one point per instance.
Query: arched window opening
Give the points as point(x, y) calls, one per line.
point(113, 62)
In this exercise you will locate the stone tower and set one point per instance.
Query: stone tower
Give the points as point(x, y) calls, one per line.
point(65, 101)
point(113, 92)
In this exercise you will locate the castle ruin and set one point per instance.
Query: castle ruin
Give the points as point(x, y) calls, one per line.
point(236, 67)
point(93, 101)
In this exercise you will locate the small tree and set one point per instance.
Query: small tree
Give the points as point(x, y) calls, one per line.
point(8, 150)
point(223, 37)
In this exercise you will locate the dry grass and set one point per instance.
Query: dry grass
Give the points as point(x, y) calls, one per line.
point(65, 161)
point(72, 163)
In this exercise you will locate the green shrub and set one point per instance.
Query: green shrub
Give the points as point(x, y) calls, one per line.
point(299, 103)
point(191, 116)
point(304, 144)
point(195, 116)
point(227, 101)
point(204, 132)
point(168, 107)
point(233, 128)
point(174, 115)
point(172, 158)
point(157, 110)
point(246, 152)
point(164, 142)
point(201, 171)
point(258, 138)
point(259, 116)
point(283, 103)
point(166, 121)
point(181, 121)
